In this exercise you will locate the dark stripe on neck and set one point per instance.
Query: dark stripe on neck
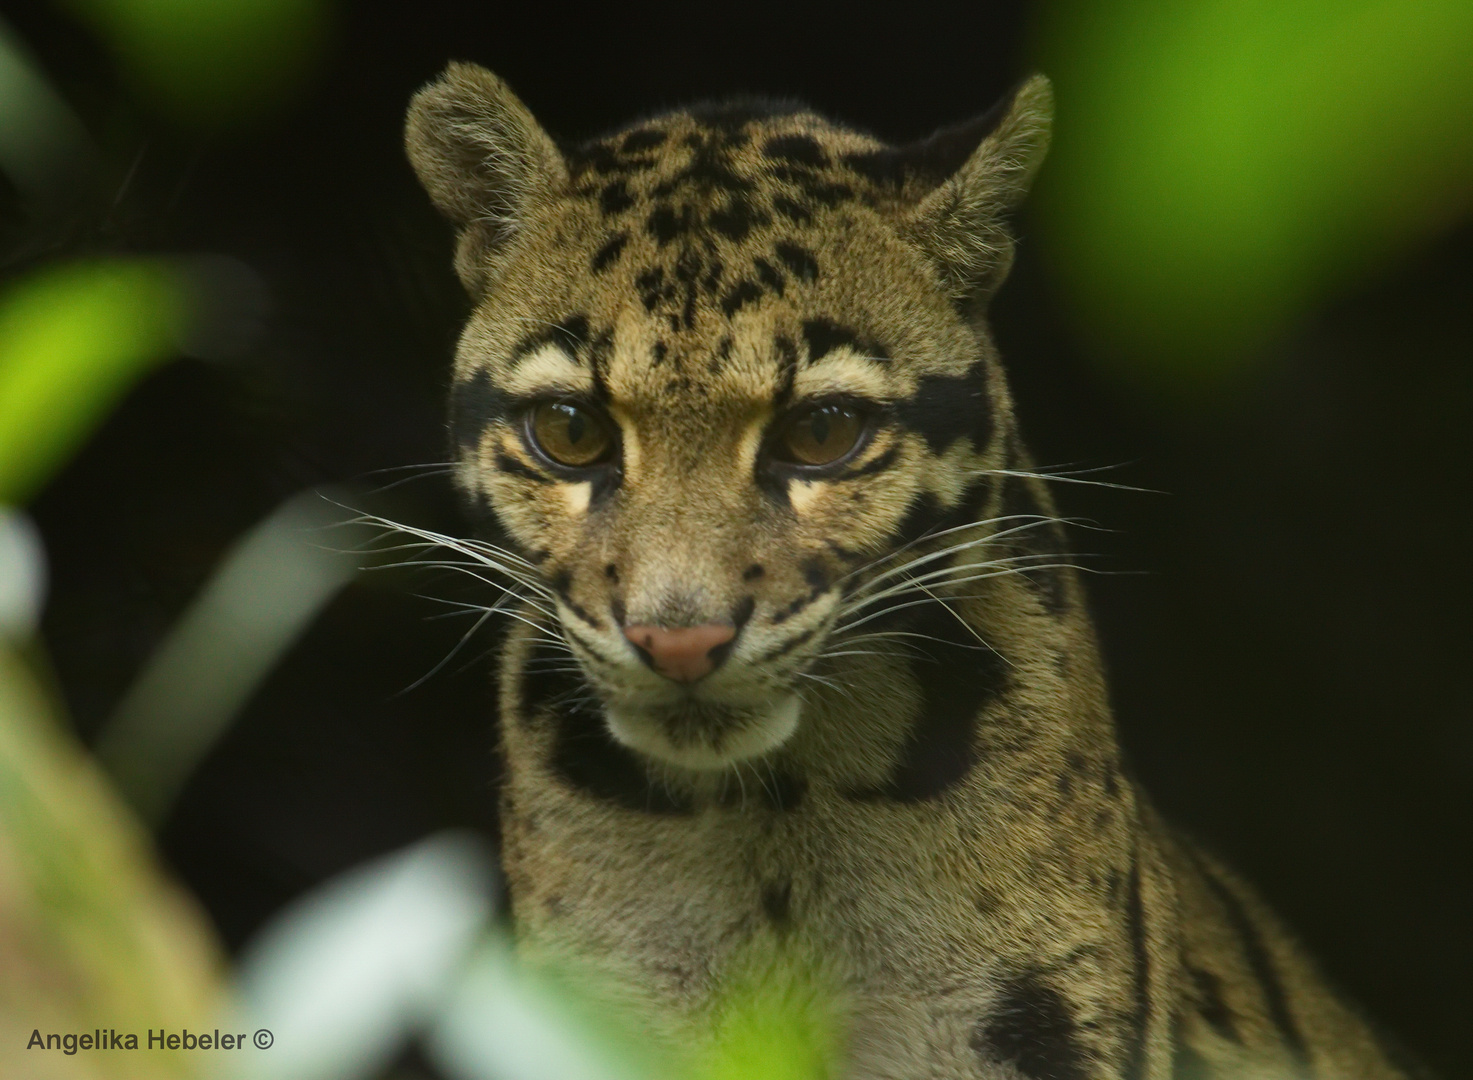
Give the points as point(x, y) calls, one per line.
point(1259, 961)
point(1207, 995)
point(1135, 917)
point(958, 677)
point(1188, 1064)
point(584, 755)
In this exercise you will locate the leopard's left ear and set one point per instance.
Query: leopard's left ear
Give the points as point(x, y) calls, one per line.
point(962, 224)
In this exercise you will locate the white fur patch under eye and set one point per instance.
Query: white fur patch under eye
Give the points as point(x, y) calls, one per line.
point(548, 368)
point(577, 497)
point(802, 493)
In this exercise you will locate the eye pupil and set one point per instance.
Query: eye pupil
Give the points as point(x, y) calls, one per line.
point(569, 434)
point(821, 436)
point(820, 425)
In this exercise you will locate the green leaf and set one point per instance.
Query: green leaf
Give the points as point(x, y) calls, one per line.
point(72, 339)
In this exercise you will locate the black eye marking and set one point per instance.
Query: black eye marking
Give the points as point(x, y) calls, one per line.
point(508, 464)
point(879, 463)
point(475, 403)
point(945, 408)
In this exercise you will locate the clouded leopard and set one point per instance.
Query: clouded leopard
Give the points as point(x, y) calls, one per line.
point(800, 662)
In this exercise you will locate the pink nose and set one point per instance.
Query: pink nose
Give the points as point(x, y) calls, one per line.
point(683, 654)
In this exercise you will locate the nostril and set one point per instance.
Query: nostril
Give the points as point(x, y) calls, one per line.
point(685, 653)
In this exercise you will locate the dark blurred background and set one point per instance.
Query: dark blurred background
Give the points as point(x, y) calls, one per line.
point(1285, 624)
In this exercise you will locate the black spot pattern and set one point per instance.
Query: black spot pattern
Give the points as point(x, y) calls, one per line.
point(639, 141)
point(794, 211)
point(665, 223)
point(1033, 1029)
point(609, 253)
point(824, 336)
point(801, 262)
point(737, 218)
point(615, 198)
point(769, 277)
point(741, 294)
point(796, 149)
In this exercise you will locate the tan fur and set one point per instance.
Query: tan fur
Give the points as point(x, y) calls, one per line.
point(988, 892)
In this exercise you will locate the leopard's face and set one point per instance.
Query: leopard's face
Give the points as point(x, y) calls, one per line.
point(710, 384)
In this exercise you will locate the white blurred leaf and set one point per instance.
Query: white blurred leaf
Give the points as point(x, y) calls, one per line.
point(346, 975)
point(503, 1024)
point(266, 592)
point(22, 575)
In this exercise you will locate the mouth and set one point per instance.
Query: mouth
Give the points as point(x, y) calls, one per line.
point(704, 735)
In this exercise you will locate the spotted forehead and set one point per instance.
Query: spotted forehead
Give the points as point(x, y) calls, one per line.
point(711, 211)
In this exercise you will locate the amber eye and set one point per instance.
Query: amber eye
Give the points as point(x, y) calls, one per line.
point(820, 436)
point(570, 435)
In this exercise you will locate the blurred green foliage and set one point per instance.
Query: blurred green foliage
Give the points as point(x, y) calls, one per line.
point(211, 62)
point(72, 338)
point(1221, 166)
point(779, 1022)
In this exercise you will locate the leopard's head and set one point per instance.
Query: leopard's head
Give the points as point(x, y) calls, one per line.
point(723, 365)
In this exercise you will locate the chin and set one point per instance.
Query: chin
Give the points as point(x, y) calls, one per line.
point(704, 736)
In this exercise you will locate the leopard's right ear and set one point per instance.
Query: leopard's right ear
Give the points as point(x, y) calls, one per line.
point(484, 160)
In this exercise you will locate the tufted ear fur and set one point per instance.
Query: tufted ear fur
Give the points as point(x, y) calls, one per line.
point(962, 223)
point(484, 160)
